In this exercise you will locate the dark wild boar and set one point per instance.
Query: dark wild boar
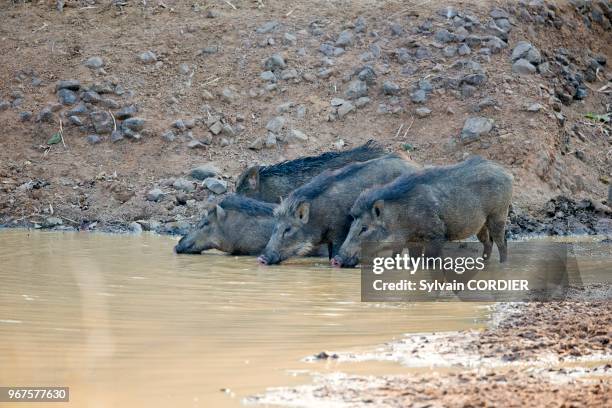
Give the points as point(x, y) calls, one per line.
point(238, 225)
point(318, 212)
point(432, 206)
point(271, 183)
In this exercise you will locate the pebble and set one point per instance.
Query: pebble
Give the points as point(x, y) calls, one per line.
point(94, 139)
point(345, 39)
point(148, 57)
point(204, 171)
point(24, 116)
point(268, 76)
point(523, 67)
point(268, 27)
point(345, 109)
point(449, 51)
point(535, 107)
point(102, 122)
point(356, 89)
point(363, 101)
point(274, 62)
point(91, 97)
point(524, 50)
point(418, 96)
point(75, 120)
point(391, 88)
point(275, 124)
point(116, 135)
point(290, 73)
point(476, 126)
point(71, 84)
point(127, 112)
point(184, 68)
point(168, 136)
point(67, 97)
point(135, 227)
point(94, 62)
point(135, 124)
point(215, 185)
point(296, 136)
point(185, 185)
point(464, 49)
point(423, 112)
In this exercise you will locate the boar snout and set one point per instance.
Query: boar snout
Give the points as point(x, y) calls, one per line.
point(336, 262)
point(269, 258)
point(185, 246)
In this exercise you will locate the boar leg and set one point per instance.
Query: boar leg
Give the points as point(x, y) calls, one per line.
point(497, 229)
point(485, 238)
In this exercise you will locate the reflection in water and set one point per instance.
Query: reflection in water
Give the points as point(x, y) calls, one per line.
point(124, 322)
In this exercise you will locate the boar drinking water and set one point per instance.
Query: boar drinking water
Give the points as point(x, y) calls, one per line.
point(318, 212)
point(431, 206)
point(238, 225)
point(271, 183)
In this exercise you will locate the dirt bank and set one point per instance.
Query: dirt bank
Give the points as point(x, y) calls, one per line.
point(158, 88)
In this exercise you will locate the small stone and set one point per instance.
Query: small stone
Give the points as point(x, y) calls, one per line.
point(524, 50)
point(78, 110)
point(257, 144)
point(356, 89)
point(195, 144)
point(94, 139)
point(148, 57)
point(474, 79)
point(185, 185)
point(75, 120)
point(51, 222)
point(135, 227)
point(135, 124)
point(126, 112)
point(296, 136)
point(94, 62)
point(274, 62)
point(275, 124)
point(360, 25)
point(116, 135)
point(209, 50)
point(216, 128)
point(45, 115)
point(464, 49)
point(91, 97)
point(422, 112)
point(168, 136)
point(289, 39)
point(268, 27)
point(418, 96)
point(102, 122)
point(204, 171)
point(535, 107)
point(475, 127)
point(268, 76)
point(270, 140)
point(444, 36)
point(361, 102)
point(184, 69)
point(228, 95)
point(391, 88)
point(110, 103)
point(71, 84)
point(345, 109)
point(523, 67)
point(284, 107)
point(67, 97)
point(4, 105)
point(215, 185)
point(496, 45)
point(330, 50)
point(345, 39)
point(290, 73)
point(449, 51)
point(24, 116)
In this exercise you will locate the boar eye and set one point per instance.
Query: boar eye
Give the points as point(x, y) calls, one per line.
point(286, 231)
point(363, 229)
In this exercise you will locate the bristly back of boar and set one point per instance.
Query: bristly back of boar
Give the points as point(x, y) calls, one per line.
point(271, 183)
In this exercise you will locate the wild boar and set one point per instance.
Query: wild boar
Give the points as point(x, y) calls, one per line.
point(432, 206)
point(318, 212)
point(238, 225)
point(271, 183)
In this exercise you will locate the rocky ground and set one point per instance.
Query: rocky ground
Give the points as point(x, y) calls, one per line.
point(535, 354)
point(108, 106)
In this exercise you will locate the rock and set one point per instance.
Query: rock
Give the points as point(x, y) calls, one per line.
point(135, 124)
point(523, 67)
point(296, 136)
point(330, 50)
point(345, 109)
point(268, 27)
point(391, 88)
point(360, 25)
point(464, 49)
point(51, 222)
point(148, 57)
point(396, 29)
point(345, 39)
point(356, 89)
point(168, 136)
point(204, 171)
point(290, 73)
point(524, 50)
point(195, 144)
point(71, 84)
point(67, 97)
point(45, 115)
point(422, 112)
point(534, 107)
point(444, 36)
point(75, 120)
point(126, 112)
point(209, 50)
point(289, 39)
point(270, 141)
point(185, 185)
point(274, 62)
point(215, 185)
point(110, 103)
point(475, 127)
point(4, 105)
point(216, 128)
point(363, 101)
point(184, 69)
point(78, 110)
point(135, 227)
point(448, 12)
point(257, 144)
point(275, 124)
point(228, 95)
point(102, 122)
point(418, 96)
point(449, 51)
point(268, 76)
point(285, 107)
point(94, 62)
point(474, 79)
point(116, 136)
point(24, 116)
point(496, 45)
point(94, 139)
point(497, 12)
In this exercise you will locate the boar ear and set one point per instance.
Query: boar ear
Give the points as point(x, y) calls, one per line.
point(377, 209)
point(302, 212)
point(253, 177)
point(220, 212)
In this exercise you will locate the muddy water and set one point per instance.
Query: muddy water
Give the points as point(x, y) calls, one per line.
point(124, 322)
